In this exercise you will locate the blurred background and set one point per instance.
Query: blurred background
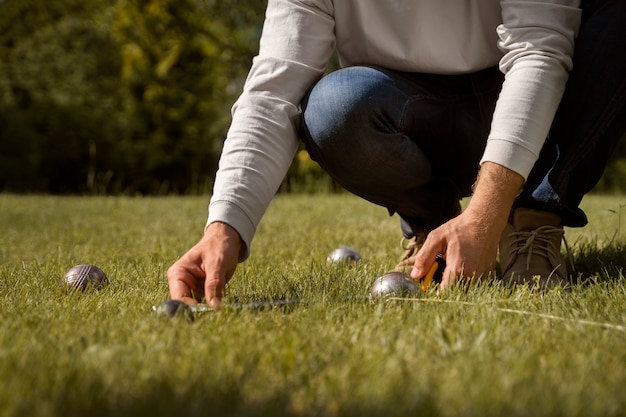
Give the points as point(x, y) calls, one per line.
point(133, 97)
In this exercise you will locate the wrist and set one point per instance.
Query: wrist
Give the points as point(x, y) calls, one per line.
point(225, 233)
point(494, 193)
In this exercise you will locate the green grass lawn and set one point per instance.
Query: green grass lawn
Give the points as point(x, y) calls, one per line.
point(479, 352)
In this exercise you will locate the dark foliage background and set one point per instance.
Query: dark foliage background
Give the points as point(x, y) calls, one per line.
point(124, 96)
point(131, 96)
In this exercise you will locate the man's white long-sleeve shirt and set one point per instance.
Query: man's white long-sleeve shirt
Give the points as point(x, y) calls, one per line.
point(531, 41)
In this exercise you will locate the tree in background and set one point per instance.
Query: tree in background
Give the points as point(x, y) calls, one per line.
point(126, 96)
point(183, 63)
point(54, 92)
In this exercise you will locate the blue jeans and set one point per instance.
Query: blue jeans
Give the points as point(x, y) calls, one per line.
point(412, 142)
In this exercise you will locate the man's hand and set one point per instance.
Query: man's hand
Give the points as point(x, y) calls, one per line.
point(469, 242)
point(469, 250)
point(206, 268)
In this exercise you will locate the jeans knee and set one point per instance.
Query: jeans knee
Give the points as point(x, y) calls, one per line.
point(342, 104)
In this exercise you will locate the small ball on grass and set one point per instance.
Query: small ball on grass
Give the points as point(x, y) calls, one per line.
point(174, 308)
point(344, 254)
point(83, 277)
point(393, 284)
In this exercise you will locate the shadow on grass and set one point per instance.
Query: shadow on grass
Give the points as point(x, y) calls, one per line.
point(594, 264)
point(164, 399)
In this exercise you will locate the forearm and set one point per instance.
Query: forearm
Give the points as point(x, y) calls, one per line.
point(494, 193)
point(295, 46)
point(538, 49)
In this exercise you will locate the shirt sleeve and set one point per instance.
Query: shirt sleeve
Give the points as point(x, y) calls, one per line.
point(296, 44)
point(537, 39)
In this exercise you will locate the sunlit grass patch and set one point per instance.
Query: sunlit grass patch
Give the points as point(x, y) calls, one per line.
point(484, 350)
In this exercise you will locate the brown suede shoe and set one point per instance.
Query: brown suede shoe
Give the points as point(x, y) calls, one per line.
point(530, 250)
point(411, 247)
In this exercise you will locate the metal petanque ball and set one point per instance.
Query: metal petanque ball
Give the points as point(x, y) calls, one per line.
point(174, 308)
point(344, 254)
point(393, 284)
point(81, 277)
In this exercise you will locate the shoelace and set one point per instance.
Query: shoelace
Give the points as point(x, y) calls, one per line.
point(542, 241)
point(411, 246)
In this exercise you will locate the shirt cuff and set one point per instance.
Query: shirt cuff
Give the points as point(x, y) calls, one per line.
point(229, 213)
point(510, 155)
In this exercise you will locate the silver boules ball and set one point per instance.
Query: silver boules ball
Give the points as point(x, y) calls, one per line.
point(174, 308)
point(344, 254)
point(84, 277)
point(393, 284)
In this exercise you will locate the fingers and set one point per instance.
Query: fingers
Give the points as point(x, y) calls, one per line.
point(214, 290)
point(185, 281)
point(467, 258)
point(434, 273)
point(450, 278)
point(206, 268)
point(189, 282)
point(426, 257)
